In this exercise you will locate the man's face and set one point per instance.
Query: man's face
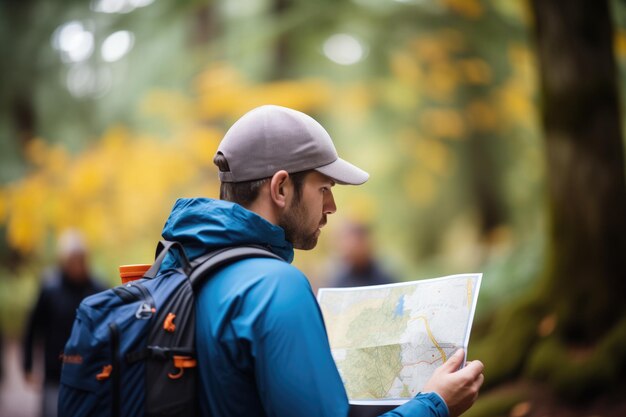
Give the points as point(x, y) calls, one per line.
point(303, 218)
point(355, 246)
point(75, 267)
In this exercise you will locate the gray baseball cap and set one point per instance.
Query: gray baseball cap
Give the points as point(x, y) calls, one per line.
point(271, 138)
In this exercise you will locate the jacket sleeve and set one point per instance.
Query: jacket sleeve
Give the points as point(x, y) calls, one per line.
point(423, 405)
point(294, 370)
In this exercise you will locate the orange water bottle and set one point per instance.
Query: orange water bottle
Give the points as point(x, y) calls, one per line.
point(130, 273)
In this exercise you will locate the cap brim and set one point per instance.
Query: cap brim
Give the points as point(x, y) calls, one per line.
point(344, 172)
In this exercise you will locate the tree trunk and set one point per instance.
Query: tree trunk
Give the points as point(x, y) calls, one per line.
point(570, 332)
point(280, 69)
point(585, 275)
point(485, 184)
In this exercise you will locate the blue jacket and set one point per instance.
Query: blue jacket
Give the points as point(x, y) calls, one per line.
point(262, 345)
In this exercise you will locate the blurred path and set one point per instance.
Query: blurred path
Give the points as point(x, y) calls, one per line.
point(16, 398)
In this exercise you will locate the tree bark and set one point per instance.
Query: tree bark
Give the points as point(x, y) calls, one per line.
point(585, 274)
point(570, 332)
point(281, 48)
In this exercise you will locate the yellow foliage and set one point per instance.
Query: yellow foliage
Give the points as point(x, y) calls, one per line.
point(303, 95)
point(27, 213)
point(619, 42)
point(471, 9)
point(232, 102)
point(113, 190)
point(514, 10)
point(354, 102)
point(438, 46)
point(3, 205)
point(397, 96)
point(362, 207)
point(224, 93)
point(435, 69)
point(514, 102)
point(219, 76)
point(120, 188)
point(429, 49)
point(84, 177)
point(523, 63)
point(481, 116)
point(221, 91)
point(56, 161)
point(452, 40)
point(406, 139)
point(35, 151)
point(113, 141)
point(95, 229)
point(443, 123)
point(201, 143)
point(441, 81)
point(419, 187)
point(171, 106)
point(405, 68)
point(50, 159)
point(433, 155)
point(475, 71)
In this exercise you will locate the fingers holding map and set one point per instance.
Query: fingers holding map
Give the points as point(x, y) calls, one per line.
point(387, 340)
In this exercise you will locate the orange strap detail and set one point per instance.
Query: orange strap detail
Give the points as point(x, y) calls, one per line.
point(168, 323)
point(106, 372)
point(182, 362)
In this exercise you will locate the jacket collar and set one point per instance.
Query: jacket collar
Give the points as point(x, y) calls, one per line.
point(203, 224)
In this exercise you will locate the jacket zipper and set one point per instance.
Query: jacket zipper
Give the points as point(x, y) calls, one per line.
point(145, 293)
point(126, 294)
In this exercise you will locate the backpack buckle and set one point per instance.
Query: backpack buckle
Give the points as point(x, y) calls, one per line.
point(144, 311)
point(180, 363)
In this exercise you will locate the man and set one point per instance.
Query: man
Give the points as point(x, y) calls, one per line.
point(62, 290)
point(359, 267)
point(262, 346)
point(358, 264)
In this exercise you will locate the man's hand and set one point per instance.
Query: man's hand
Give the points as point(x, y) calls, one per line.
point(458, 387)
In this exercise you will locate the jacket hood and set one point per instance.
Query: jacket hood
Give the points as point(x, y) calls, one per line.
point(204, 224)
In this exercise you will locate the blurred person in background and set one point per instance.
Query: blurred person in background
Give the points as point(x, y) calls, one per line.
point(358, 265)
point(63, 288)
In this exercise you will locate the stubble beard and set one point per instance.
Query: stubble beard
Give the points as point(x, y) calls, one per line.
point(292, 221)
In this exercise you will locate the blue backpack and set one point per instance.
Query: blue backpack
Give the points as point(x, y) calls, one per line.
point(132, 348)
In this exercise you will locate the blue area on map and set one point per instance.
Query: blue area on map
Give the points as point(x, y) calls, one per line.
point(399, 307)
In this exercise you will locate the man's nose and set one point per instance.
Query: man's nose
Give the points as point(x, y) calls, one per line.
point(329, 203)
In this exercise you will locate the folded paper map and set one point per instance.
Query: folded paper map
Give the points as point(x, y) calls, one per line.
point(388, 339)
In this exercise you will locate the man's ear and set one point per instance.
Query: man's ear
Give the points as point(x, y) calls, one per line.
point(278, 188)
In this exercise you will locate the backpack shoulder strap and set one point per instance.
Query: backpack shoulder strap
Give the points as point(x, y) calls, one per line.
point(203, 266)
point(162, 250)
